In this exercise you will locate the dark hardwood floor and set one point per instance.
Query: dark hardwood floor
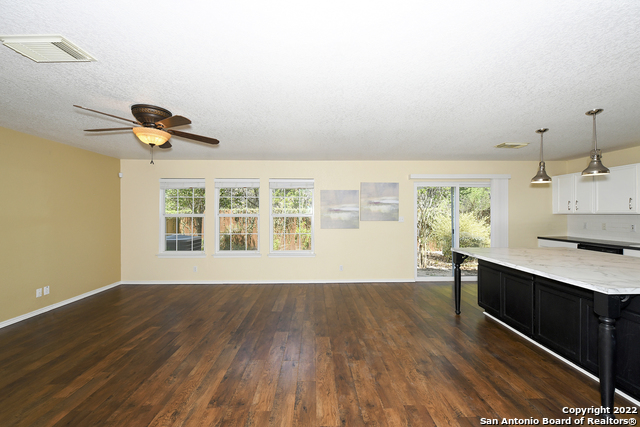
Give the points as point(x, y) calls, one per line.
point(278, 355)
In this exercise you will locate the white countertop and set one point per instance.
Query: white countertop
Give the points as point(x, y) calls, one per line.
point(597, 271)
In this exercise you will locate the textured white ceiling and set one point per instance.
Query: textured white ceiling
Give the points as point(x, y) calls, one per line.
point(341, 80)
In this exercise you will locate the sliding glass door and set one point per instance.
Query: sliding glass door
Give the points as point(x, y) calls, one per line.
point(448, 216)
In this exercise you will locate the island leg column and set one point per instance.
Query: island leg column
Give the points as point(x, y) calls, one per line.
point(457, 278)
point(608, 307)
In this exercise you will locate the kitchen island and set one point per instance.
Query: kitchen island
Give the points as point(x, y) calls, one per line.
point(578, 304)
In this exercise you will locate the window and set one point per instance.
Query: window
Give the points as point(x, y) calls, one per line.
point(291, 217)
point(182, 208)
point(238, 215)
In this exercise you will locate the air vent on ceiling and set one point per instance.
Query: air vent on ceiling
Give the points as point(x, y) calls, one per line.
point(512, 145)
point(46, 48)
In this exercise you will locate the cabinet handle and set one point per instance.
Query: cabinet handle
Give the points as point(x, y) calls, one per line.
point(569, 205)
point(576, 205)
point(630, 203)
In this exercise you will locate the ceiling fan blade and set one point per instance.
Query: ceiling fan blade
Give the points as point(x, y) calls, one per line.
point(110, 115)
point(204, 139)
point(165, 145)
point(102, 130)
point(173, 121)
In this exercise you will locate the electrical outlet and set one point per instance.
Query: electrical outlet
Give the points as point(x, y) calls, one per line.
point(341, 268)
point(604, 225)
point(195, 269)
point(46, 290)
point(633, 227)
point(584, 226)
point(38, 292)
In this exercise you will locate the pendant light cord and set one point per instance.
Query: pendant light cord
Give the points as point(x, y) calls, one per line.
point(541, 137)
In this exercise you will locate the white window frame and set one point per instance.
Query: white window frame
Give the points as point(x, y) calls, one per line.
point(289, 184)
point(179, 183)
point(235, 183)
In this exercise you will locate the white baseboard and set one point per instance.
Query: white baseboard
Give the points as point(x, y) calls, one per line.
point(56, 305)
point(562, 359)
point(248, 282)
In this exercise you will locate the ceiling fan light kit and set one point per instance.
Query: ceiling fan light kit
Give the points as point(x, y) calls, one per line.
point(151, 136)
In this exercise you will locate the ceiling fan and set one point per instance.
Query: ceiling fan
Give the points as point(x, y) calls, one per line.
point(152, 126)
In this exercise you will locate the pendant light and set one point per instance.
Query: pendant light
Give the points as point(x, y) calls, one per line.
point(595, 165)
point(541, 177)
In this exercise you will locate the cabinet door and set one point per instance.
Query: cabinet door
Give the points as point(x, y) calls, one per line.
point(565, 193)
point(557, 319)
point(585, 194)
point(616, 193)
point(517, 295)
point(489, 289)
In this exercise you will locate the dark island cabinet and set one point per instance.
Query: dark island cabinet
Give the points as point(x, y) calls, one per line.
point(560, 317)
point(507, 295)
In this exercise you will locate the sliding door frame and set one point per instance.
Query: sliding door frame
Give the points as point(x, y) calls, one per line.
point(499, 189)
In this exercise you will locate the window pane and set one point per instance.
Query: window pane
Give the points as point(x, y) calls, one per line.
point(185, 205)
point(170, 226)
point(291, 242)
point(292, 205)
point(238, 206)
point(198, 205)
point(184, 242)
point(252, 242)
point(278, 225)
point(238, 192)
point(225, 242)
point(185, 226)
point(171, 243)
point(225, 192)
point(239, 225)
point(171, 192)
point(305, 225)
point(197, 225)
point(186, 193)
point(278, 205)
point(253, 192)
point(291, 225)
point(225, 225)
point(253, 205)
point(198, 244)
point(306, 207)
point(239, 242)
point(291, 192)
point(278, 242)
point(198, 192)
point(252, 225)
point(305, 242)
point(278, 192)
point(225, 205)
point(170, 205)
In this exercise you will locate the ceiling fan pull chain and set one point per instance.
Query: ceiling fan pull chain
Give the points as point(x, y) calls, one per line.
point(151, 146)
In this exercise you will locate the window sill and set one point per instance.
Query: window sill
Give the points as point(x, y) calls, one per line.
point(178, 254)
point(237, 254)
point(290, 254)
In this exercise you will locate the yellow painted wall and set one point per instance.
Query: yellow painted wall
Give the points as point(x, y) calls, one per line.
point(60, 221)
point(627, 156)
point(376, 251)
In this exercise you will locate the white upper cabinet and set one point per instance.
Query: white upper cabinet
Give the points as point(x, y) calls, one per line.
point(617, 192)
point(573, 194)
